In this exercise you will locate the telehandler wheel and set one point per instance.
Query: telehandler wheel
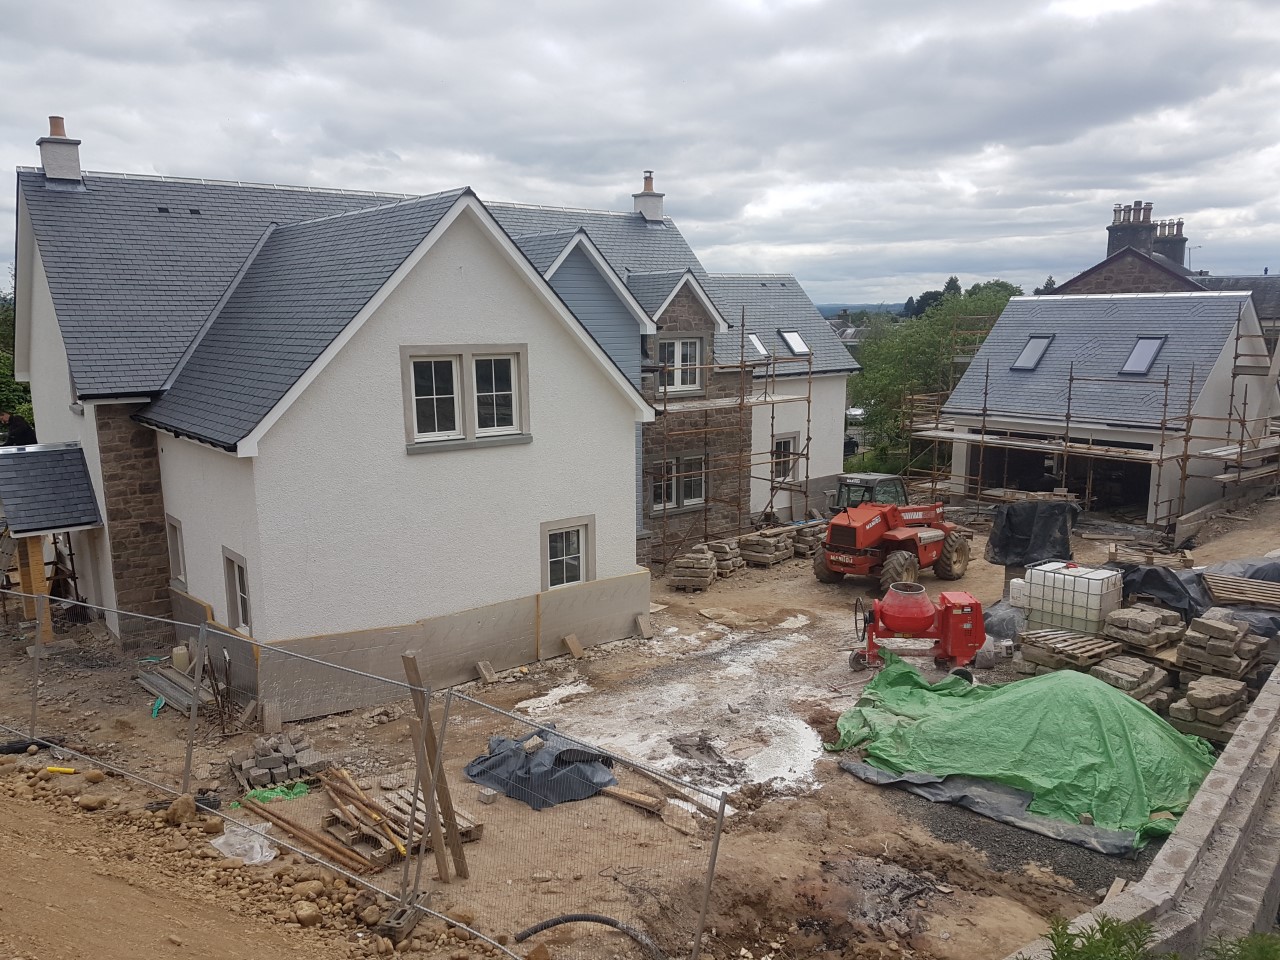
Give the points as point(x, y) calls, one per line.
point(820, 569)
point(954, 560)
point(899, 567)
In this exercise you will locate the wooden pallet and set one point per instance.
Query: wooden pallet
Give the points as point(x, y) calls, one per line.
point(1241, 590)
point(1122, 553)
point(401, 802)
point(1189, 661)
point(1063, 649)
point(772, 561)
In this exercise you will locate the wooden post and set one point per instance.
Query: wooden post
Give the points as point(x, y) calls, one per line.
point(443, 794)
point(25, 583)
point(32, 577)
point(431, 812)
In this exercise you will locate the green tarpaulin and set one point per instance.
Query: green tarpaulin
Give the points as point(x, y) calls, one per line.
point(1071, 741)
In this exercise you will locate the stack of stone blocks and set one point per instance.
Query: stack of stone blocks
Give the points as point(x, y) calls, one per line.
point(696, 570)
point(278, 759)
point(1215, 643)
point(1137, 678)
point(728, 558)
point(808, 540)
point(1211, 700)
point(1144, 626)
point(767, 549)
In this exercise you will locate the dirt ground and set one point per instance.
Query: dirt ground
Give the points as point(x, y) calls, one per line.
point(736, 691)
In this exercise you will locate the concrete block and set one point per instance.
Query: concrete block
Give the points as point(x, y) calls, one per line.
point(248, 765)
point(1023, 665)
point(240, 756)
point(272, 762)
point(1194, 638)
point(294, 770)
point(312, 762)
point(288, 750)
point(259, 776)
point(1222, 648)
point(1209, 692)
point(1217, 629)
point(1182, 710)
point(297, 736)
point(1139, 619)
point(261, 747)
point(1219, 715)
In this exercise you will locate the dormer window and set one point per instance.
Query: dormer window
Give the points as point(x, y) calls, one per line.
point(1032, 353)
point(1143, 355)
point(795, 343)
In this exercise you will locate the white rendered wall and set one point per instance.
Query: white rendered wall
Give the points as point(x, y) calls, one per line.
point(356, 533)
point(211, 493)
point(825, 427)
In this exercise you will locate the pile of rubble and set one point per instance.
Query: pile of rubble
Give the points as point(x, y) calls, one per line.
point(696, 570)
point(1138, 679)
point(1214, 643)
point(808, 540)
point(768, 548)
point(728, 557)
point(1214, 701)
point(278, 759)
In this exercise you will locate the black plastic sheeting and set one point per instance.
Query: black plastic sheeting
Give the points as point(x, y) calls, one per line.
point(1003, 620)
point(558, 771)
point(998, 802)
point(1184, 590)
point(1031, 531)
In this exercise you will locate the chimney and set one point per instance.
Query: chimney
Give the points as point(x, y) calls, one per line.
point(1171, 243)
point(1131, 226)
point(59, 155)
point(647, 202)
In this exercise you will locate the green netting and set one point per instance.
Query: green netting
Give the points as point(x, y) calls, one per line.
point(1072, 742)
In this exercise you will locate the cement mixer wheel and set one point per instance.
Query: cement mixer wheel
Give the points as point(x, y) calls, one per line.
point(899, 567)
point(858, 660)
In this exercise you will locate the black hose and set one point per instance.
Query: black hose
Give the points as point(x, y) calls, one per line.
point(650, 947)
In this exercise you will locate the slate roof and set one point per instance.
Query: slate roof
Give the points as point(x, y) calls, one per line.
point(773, 303)
point(1096, 333)
point(543, 248)
point(132, 285)
point(652, 289)
point(303, 288)
point(1265, 289)
point(46, 488)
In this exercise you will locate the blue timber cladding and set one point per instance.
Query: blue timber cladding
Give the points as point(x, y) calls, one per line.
point(306, 284)
point(44, 489)
point(600, 310)
point(1093, 337)
point(133, 285)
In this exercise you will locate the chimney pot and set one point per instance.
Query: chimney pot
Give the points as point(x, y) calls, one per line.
point(648, 202)
point(1179, 227)
point(1115, 214)
point(57, 127)
point(648, 181)
point(1146, 212)
point(1127, 213)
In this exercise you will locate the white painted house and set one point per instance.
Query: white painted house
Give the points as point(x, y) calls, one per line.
point(343, 423)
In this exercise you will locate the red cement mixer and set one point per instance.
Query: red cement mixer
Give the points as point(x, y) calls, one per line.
point(954, 624)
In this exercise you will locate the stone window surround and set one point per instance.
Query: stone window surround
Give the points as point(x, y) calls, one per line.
point(587, 524)
point(465, 356)
point(679, 507)
point(235, 620)
point(177, 551)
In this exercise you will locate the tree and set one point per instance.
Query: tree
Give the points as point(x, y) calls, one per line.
point(952, 287)
point(1047, 287)
point(13, 395)
point(927, 300)
point(909, 308)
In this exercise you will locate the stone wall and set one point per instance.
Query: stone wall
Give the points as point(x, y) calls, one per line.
point(720, 434)
point(135, 522)
point(1128, 274)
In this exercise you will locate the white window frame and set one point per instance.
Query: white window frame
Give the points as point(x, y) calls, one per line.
point(585, 528)
point(679, 478)
point(787, 460)
point(464, 359)
point(685, 377)
point(1134, 371)
point(177, 551)
point(239, 603)
point(429, 435)
point(755, 341)
point(795, 343)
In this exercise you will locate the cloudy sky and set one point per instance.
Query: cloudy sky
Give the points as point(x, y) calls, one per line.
point(871, 147)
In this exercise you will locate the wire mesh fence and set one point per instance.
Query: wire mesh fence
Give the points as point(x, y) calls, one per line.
point(444, 806)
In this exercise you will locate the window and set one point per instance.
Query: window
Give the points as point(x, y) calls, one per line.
point(495, 394)
point(238, 614)
point(568, 552)
point(465, 395)
point(1030, 356)
point(755, 342)
point(681, 482)
point(795, 343)
point(177, 558)
point(784, 458)
point(435, 398)
point(1143, 355)
point(678, 362)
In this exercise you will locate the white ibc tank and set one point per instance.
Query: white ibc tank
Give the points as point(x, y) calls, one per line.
point(1070, 597)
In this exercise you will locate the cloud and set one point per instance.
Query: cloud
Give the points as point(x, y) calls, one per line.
point(871, 152)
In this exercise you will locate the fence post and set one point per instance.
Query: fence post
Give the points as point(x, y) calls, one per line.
point(194, 713)
point(711, 875)
point(42, 603)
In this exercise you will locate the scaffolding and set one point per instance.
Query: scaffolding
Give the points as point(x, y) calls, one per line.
point(1243, 446)
point(688, 430)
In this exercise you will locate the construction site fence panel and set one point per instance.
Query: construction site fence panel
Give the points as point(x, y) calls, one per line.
point(174, 709)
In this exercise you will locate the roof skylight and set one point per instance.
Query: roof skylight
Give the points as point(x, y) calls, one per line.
point(795, 342)
point(755, 342)
point(1143, 355)
point(1032, 353)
